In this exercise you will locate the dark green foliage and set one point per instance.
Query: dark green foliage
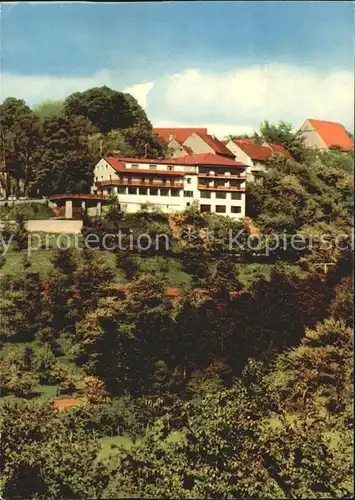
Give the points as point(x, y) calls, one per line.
point(342, 305)
point(20, 136)
point(144, 143)
point(107, 109)
point(21, 307)
point(49, 109)
point(128, 263)
point(66, 163)
point(20, 236)
point(41, 457)
point(282, 134)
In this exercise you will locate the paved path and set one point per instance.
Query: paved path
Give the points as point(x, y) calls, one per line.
point(50, 226)
point(55, 226)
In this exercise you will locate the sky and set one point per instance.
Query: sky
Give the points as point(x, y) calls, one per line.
point(223, 65)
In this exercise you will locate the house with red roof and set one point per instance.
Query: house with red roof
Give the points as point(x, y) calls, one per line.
point(278, 149)
point(205, 143)
point(255, 155)
point(251, 154)
point(180, 134)
point(217, 183)
point(187, 141)
point(325, 135)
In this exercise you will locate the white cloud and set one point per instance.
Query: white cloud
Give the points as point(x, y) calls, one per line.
point(34, 89)
point(240, 100)
point(140, 91)
point(234, 102)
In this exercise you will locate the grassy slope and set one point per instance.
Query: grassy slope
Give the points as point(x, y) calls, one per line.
point(30, 210)
point(170, 268)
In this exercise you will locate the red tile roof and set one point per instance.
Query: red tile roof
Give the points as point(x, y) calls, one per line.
point(75, 196)
point(61, 404)
point(198, 159)
point(276, 148)
point(208, 159)
point(180, 134)
point(254, 151)
point(247, 141)
point(117, 162)
point(333, 134)
point(218, 147)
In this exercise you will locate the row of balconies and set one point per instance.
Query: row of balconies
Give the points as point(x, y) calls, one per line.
point(212, 186)
point(220, 187)
point(223, 176)
point(142, 183)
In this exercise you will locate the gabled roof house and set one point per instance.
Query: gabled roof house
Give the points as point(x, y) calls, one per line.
point(325, 135)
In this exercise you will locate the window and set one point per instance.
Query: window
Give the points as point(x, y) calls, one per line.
point(170, 168)
point(122, 190)
point(236, 210)
point(132, 190)
point(236, 196)
point(135, 165)
point(143, 190)
point(152, 167)
point(220, 209)
point(175, 192)
point(102, 177)
point(188, 180)
point(96, 179)
point(154, 191)
point(110, 176)
point(164, 192)
point(205, 194)
point(205, 208)
point(188, 194)
point(221, 196)
point(188, 204)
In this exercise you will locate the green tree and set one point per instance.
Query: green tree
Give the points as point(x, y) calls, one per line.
point(42, 457)
point(318, 373)
point(49, 109)
point(281, 133)
point(107, 109)
point(228, 447)
point(342, 305)
point(21, 306)
point(66, 163)
point(20, 136)
point(144, 143)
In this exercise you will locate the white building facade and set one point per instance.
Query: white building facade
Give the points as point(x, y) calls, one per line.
point(216, 183)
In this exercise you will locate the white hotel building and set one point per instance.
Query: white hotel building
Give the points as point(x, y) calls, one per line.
point(217, 183)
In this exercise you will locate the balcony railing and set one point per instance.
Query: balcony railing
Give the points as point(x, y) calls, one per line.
point(142, 183)
point(203, 187)
point(222, 176)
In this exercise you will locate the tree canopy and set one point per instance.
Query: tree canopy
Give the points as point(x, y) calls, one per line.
point(107, 109)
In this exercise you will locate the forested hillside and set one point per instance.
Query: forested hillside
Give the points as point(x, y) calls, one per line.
point(238, 385)
point(54, 148)
point(217, 363)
